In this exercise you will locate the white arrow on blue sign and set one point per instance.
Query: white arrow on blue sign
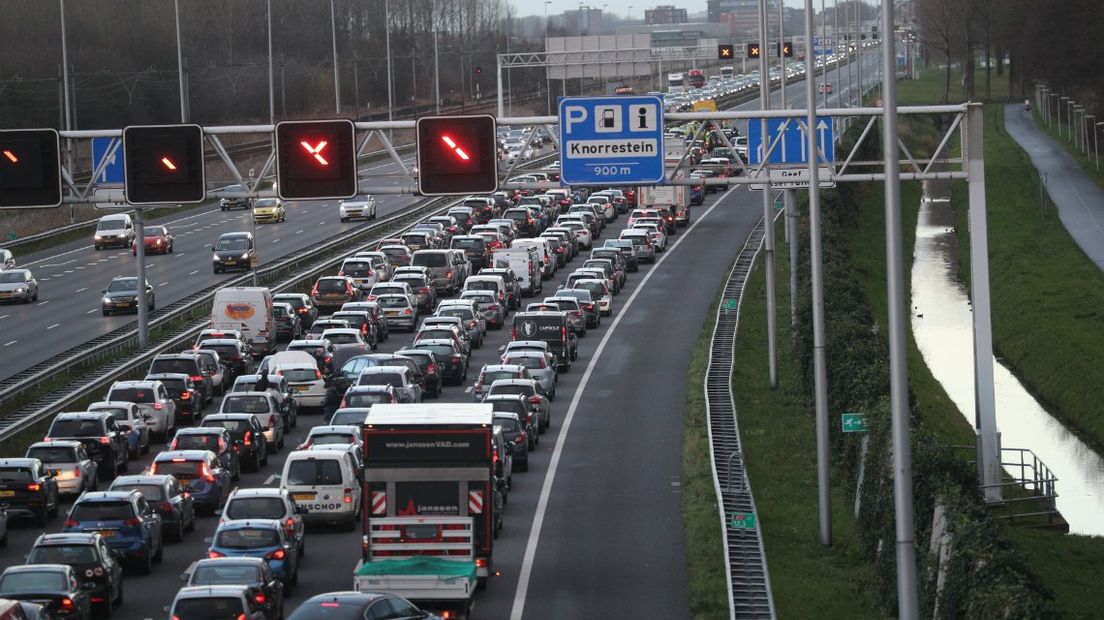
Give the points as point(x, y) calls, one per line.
point(113, 171)
point(793, 148)
point(611, 140)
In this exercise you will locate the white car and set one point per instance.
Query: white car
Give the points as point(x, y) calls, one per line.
point(324, 486)
point(307, 384)
point(579, 229)
point(361, 207)
point(347, 434)
point(153, 400)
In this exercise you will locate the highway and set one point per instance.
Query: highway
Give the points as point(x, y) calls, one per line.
point(594, 528)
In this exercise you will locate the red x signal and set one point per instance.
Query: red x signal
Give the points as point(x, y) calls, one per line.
point(316, 151)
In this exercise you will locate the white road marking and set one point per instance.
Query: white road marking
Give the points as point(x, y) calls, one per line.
point(43, 303)
point(4, 316)
point(52, 326)
point(8, 344)
point(92, 310)
point(206, 245)
point(546, 486)
point(192, 273)
point(275, 241)
point(72, 260)
point(85, 288)
point(68, 271)
point(44, 279)
point(270, 480)
point(163, 284)
point(299, 232)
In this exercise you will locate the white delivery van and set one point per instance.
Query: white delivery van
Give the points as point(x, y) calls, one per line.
point(544, 250)
point(324, 485)
point(526, 265)
point(247, 309)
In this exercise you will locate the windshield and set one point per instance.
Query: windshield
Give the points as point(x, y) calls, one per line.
point(342, 338)
point(512, 388)
point(225, 573)
point(511, 406)
point(440, 350)
point(360, 399)
point(491, 376)
point(314, 472)
point(173, 366)
point(152, 492)
point(358, 268)
point(299, 375)
point(154, 231)
point(183, 470)
point(295, 302)
point(112, 224)
point(596, 289)
point(265, 203)
point(529, 361)
point(213, 608)
point(429, 260)
point(393, 302)
point(101, 511)
point(322, 439)
point(9, 475)
point(122, 284)
point(509, 425)
point(467, 244)
point(36, 581)
point(415, 282)
point(76, 428)
point(245, 404)
point(63, 554)
point(232, 244)
point(256, 508)
point(132, 395)
point(382, 378)
point(331, 285)
point(230, 425)
point(12, 277)
point(247, 538)
point(196, 442)
point(456, 312)
point(53, 455)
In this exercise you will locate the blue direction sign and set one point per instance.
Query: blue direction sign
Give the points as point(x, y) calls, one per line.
point(113, 171)
point(610, 140)
point(822, 46)
point(794, 147)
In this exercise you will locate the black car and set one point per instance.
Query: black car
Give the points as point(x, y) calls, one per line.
point(54, 586)
point(235, 354)
point(254, 573)
point(185, 393)
point(100, 434)
point(87, 553)
point(288, 324)
point(121, 295)
point(187, 364)
point(234, 250)
point(213, 438)
point(357, 605)
point(427, 362)
point(28, 490)
point(513, 431)
point(302, 305)
point(452, 363)
point(362, 320)
point(166, 496)
point(247, 435)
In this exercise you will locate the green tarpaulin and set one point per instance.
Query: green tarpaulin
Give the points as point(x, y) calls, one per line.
point(420, 565)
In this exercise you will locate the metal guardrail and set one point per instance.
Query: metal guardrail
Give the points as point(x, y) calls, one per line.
point(304, 264)
point(749, 592)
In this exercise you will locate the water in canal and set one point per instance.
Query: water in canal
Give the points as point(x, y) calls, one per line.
point(942, 326)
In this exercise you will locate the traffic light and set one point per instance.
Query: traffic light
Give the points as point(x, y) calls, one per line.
point(316, 159)
point(163, 164)
point(753, 50)
point(30, 168)
point(457, 155)
point(478, 70)
point(724, 52)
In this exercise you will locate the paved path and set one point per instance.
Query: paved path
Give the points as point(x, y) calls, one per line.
point(1080, 202)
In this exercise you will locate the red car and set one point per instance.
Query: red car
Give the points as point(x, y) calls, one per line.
point(158, 241)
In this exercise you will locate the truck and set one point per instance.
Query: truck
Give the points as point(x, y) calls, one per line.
point(247, 309)
point(675, 197)
point(432, 503)
point(526, 264)
point(675, 83)
point(727, 73)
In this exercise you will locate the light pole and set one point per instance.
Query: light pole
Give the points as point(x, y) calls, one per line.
point(1069, 119)
point(179, 60)
point(68, 124)
point(271, 97)
point(387, 39)
point(1096, 138)
point(436, 72)
point(333, 38)
point(547, 76)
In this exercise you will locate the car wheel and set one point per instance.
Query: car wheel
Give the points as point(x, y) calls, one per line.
point(145, 565)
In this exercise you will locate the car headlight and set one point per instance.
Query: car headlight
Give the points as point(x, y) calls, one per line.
point(216, 257)
point(245, 256)
point(98, 237)
point(20, 290)
point(106, 301)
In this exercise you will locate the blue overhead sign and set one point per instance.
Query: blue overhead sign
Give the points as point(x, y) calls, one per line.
point(113, 171)
point(611, 140)
point(793, 148)
point(822, 46)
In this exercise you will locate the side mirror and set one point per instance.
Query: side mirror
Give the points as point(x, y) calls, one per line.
point(209, 540)
point(212, 249)
point(183, 577)
point(218, 512)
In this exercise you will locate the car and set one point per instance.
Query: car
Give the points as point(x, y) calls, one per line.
point(158, 240)
point(534, 395)
point(553, 328)
point(627, 249)
point(425, 296)
point(269, 210)
point(200, 474)
point(130, 418)
point(489, 306)
point(332, 434)
point(599, 290)
point(473, 321)
point(93, 562)
point(513, 431)
point(446, 332)
point(126, 520)
point(361, 207)
point(7, 259)
point(307, 383)
point(153, 400)
point(365, 320)
point(343, 337)
point(231, 202)
point(213, 438)
point(541, 367)
point(325, 486)
point(397, 253)
point(361, 271)
point(358, 605)
point(267, 503)
point(18, 285)
point(115, 230)
point(186, 394)
point(104, 441)
point(825, 87)
point(362, 397)
point(517, 405)
point(452, 363)
point(616, 259)
point(206, 602)
point(121, 295)
point(398, 311)
point(233, 250)
point(28, 490)
point(54, 586)
point(235, 355)
point(493, 372)
point(323, 352)
point(68, 462)
point(645, 249)
point(470, 338)
point(614, 276)
point(576, 315)
point(262, 587)
point(321, 325)
point(262, 406)
point(245, 431)
point(332, 291)
point(288, 324)
point(432, 383)
point(167, 495)
point(190, 365)
point(302, 305)
point(401, 378)
point(380, 262)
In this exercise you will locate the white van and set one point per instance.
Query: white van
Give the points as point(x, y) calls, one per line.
point(544, 248)
point(324, 486)
point(247, 309)
point(115, 230)
point(526, 264)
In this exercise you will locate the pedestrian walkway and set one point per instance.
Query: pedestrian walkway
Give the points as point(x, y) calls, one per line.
point(1080, 202)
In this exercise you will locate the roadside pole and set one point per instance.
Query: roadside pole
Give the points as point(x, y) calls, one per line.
point(789, 201)
point(768, 219)
point(820, 363)
point(140, 253)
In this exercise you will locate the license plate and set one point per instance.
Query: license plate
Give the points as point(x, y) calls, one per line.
point(391, 313)
point(302, 497)
point(299, 388)
point(231, 262)
point(107, 533)
point(122, 304)
point(7, 493)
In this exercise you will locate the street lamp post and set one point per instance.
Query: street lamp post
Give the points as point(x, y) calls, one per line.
point(547, 75)
point(1096, 139)
point(337, 80)
point(1058, 110)
point(68, 121)
point(179, 61)
point(271, 97)
point(387, 42)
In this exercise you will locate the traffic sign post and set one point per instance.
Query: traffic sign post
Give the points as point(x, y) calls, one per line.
point(854, 423)
point(611, 140)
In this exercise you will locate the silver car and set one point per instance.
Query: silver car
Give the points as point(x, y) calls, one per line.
point(68, 462)
point(539, 366)
point(534, 395)
point(18, 285)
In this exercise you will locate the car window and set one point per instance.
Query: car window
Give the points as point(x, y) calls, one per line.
point(10, 475)
point(183, 470)
point(33, 581)
point(314, 472)
point(361, 399)
point(131, 395)
point(102, 511)
point(53, 454)
point(63, 554)
point(382, 378)
point(77, 428)
point(152, 492)
point(226, 573)
point(208, 608)
point(247, 538)
point(197, 442)
point(245, 403)
point(256, 508)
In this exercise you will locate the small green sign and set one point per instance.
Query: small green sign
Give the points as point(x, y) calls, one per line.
point(12, 236)
point(855, 423)
point(730, 304)
point(743, 521)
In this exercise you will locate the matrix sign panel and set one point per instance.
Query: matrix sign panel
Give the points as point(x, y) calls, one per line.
point(316, 159)
point(457, 155)
point(30, 168)
point(163, 164)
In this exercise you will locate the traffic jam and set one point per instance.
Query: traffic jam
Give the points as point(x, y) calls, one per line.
point(395, 403)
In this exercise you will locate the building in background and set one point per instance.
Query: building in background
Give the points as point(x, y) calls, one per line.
point(665, 14)
point(585, 20)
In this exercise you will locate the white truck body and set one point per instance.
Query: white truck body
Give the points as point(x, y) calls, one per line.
point(676, 83)
point(249, 310)
point(526, 265)
point(664, 196)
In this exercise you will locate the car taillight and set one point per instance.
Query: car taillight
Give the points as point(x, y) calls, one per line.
point(135, 522)
point(34, 486)
point(317, 374)
point(521, 438)
point(408, 311)
point(534, 400)
point(348, 496)
point(328, 359)
point(215, 554)
point(278, 554)
point(302, 310)
point(206, 472)
point(248, 438)
point(259, 598)
point(66, 603)
point(425, 289)
point(185, 396)
point(166, 507)
point(578, 313)
point(494, 306)
point(70, 523)
point(76, 470)
point(153, 469)
point(431, 369)
point(105, 440)
point(272, 421)
point(157, 406)
point(455, 359)
point(196, 378)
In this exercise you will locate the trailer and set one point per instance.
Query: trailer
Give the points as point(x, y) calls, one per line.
point(675, 197)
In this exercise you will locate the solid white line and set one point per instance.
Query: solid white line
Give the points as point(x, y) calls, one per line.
point(270, 480)
point(163, 284)
point(8, 344)
point(546, 487)
point(53, 326)
point(92, 310)
point(192, 273)
point(43, 303)
point(4, 316)
point(81, 289)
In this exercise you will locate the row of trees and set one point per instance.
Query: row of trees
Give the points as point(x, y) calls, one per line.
point(123, 62)
point(1051, 41)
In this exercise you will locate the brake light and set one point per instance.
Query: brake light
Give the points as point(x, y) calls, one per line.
point(196, 378)
point(248, 438)
point(425, 289)
point(76, 470)
point(278, 554)
point(302, 310)
point(290, 523)
point(348, 496)
point(456, 359)
point(105, 440)
point(70, 523)
point(448, 274)
point(34, 486)
point(153, 469)
point(408, 311)
point(215, 554)
point(66, 603)
point(563, 334)
point(134, 522)
point(206, 472)
point(317, 374)
point(432, 369)
point(272, 421)
point(534, 400)
point(260, 598)
point(157, 406)
point(481, 562)
point(183, 396)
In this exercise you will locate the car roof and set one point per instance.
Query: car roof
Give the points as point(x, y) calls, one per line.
point(137, 383)
point(334, 428)
point(67, 538)
point(19, 462)
point(260, 492)
point(82, 415)
point(188, 592)
point(513, 382)
point(142, 479)
point(371, 370)
point(188, 455)
point(241, 524)
point(96, 496)
point(55, 444)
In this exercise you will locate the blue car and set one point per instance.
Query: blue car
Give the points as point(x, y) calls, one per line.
point(126, 521)
point(697, 194)
point(258, 538)
point(200, 473)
